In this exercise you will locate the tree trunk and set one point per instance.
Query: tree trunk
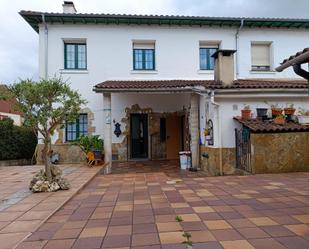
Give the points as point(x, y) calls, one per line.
point(45, 155)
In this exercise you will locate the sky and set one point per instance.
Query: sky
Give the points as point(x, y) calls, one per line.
point(19, 42)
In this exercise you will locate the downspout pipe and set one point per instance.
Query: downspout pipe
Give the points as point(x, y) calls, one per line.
point(45, 47)
point(236, 45)
point(212, 100)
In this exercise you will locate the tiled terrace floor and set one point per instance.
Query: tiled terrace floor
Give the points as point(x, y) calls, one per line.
point(137, 210)
point(21, 212)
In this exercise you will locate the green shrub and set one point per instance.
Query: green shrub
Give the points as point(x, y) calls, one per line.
point(16, 142)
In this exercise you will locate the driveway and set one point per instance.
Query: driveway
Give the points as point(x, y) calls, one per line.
point(138, 210)
point(21, 211)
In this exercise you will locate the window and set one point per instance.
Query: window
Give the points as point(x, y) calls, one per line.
point(260, 56)
point(206, 61)
point(75, 56)
point(75, 129)
point(143, 56)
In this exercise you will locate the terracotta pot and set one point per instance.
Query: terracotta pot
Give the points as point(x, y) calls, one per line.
point(276, 112)
point(279, 120)
point(245, 114)
point(289, 111)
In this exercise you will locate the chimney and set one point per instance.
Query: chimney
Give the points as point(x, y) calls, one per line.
point(224, 66)
point(68, 7)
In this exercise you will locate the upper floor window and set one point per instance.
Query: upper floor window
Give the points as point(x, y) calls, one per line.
point(143, 56)
point(260, 56)
point(75, 56)
point(75, 129)
point(206, 51)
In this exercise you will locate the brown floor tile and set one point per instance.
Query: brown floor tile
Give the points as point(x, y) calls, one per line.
point(21, 226)
point(32, 244)
point(10, 240)
point(252, 233)
point(145, 239)
point(202, 236)
point(117, 241)
point(302, 218)
point(89, 243)
point(144, 228)
point(263, 221)
point(227, 234)
point(119, 230)
point(217, 224)
point(277, 231)
point(169, 227)
point(236, 244)
point(241, 223)
point(67, 233)
point(59, 244)
point(171, 237)
point(93, 232)
point(301, 229)
point(293, 242)
point(203, 209)
point(267, 243)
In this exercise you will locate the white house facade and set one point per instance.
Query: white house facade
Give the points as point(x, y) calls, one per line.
point(150, 82)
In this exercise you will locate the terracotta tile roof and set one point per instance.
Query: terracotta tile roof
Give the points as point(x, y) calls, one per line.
point(209, 84)
point(261, 83)
point(153, 84)
point(259, 126)
point(298, 58)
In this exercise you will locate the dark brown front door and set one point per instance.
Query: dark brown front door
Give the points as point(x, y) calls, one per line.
point(139, 136)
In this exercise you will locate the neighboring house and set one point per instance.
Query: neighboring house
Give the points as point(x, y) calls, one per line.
point(156, 84)
point(8, 109)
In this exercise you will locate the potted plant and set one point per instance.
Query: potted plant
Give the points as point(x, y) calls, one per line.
point(280, 119)
point(289, 110)
point(246, 113)
point(97, 147)
point(92, 144)
point(276, 111)
point(303, 117)
point(261, 112)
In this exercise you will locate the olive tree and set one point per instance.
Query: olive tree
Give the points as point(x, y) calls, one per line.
point(46, 104)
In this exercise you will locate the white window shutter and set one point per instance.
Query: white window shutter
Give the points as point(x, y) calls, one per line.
point(260, 54)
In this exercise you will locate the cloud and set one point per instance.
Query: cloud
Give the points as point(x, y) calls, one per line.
point(19, 43)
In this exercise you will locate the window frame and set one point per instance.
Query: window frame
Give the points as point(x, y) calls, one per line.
point(208, 57)
point(76, 44)
point(262, 68)
point(77, 128)
point(144, 59)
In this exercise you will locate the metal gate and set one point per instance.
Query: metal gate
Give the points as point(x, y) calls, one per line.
point(243, 149)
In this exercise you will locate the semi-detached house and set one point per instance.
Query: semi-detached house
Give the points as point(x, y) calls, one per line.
point(157, 85)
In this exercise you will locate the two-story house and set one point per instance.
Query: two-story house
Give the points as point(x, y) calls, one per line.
point(150, 81)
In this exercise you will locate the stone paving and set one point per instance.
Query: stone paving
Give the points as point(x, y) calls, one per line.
point(22, 212)
point(138, 210)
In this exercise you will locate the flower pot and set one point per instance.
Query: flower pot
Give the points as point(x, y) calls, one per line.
point(302, 119)
point(279, 120)
point(261, 112)
point(246, 114)
point(289, 111)
point(97, 154)
point(276, 112)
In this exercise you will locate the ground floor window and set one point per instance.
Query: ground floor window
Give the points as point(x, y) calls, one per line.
point(75, 129)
